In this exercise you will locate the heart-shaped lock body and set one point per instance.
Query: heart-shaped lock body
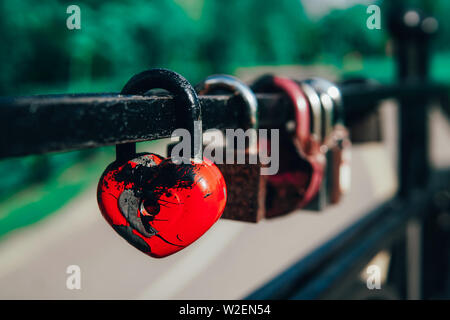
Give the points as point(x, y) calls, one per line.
point(160, 205)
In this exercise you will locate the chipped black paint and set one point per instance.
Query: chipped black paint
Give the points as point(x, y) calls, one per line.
point(186, 102)
point(149, 182)
point(127, 233)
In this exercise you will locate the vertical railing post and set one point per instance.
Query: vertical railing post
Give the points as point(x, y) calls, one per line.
point(411, 32)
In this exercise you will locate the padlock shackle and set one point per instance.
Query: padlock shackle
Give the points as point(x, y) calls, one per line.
point(237, 87)
point(315, 109)
point(296, 96)
point(327, 104)
point(326, 87)
point(186, 101)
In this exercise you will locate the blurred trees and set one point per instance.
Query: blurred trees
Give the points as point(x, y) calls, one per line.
point(194, 37)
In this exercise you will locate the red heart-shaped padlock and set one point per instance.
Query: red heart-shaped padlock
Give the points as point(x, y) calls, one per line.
point(159, 205)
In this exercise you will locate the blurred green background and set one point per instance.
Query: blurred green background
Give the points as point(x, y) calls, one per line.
point(119, 38)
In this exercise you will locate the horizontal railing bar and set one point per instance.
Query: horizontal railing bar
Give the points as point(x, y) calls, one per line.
point(360, 99)
point(52, 123)
point(40, 124)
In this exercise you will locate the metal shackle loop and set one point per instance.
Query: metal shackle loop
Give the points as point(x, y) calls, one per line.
point(186, 101)
point(315, 108)
point(237, 87)
point(296, 95)
point(331, 99)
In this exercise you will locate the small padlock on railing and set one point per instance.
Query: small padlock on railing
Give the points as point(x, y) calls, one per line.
point(335, 144)
point(301, 162)
point(341, 151)
point(245, 185)
point(320, 126)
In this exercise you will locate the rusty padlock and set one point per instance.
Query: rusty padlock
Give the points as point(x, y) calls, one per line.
point(341, 150)
point(301, 162)
point(246, 186)
point(336, 143)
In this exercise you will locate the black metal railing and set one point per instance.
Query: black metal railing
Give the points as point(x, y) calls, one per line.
point(52, 123)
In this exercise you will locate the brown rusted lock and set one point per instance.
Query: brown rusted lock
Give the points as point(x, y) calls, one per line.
point(340, 148)
point(246, 187)
point(340, 163)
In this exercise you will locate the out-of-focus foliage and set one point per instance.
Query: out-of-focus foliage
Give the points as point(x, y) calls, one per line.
point(194, 37)
point(344, 31)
